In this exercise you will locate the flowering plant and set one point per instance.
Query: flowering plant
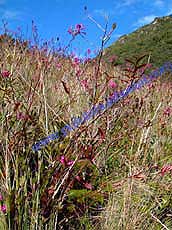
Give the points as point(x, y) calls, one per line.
point(79, 29)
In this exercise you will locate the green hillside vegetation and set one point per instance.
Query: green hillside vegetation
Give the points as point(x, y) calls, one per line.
point(154, 39)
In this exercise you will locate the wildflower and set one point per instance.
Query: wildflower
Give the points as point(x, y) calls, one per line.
point(69, 163)
point(84, 83)
point(3, 208)
point(165, 169)
point(5, 74)
point(151, 86)
point(64, 161)
point(167, 111)
point(58, 65)
point(112, 84)
point(77, 30)
point(79, 27)
point(70, 31)
point(76, 60)
point(88, 186)
point(88, 51)
point(78, 178)
point(22, 116)
point(78, 72)
point(76, 122)
point(87, 60)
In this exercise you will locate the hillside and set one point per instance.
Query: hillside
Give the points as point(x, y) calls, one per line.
point(81, 148)
point(154, 39)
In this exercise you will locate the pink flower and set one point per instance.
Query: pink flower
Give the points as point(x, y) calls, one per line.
point(87, 60)
point(79, 27)
point(64, 161)
point(5, 74)
point(84, 83)
point(77, 30)
point(167, 111)
point(76, 60)
point(3, 208)
point(78, 72)
point(88, 51)
point(88, 186)
point(58, 65)
point(165, 169)
point(112, 84)
point(22, 116)
point(69, 163)
point(70, 31)
point(78, 178)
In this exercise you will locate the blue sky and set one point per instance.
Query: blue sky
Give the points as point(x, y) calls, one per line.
point(54, 17)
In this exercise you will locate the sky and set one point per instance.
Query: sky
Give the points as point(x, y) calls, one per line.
point(53, 18)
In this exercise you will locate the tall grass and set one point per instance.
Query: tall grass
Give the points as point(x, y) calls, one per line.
point(112, 172)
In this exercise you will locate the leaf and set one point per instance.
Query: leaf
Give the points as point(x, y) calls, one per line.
point(65, 87)
point(101, 133)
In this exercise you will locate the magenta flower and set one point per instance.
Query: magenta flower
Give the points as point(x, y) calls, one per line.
point(3, 208)
point(58, 65)
point(167, 111)
point(79, 27)
point(78, 178)
point(165, 169)
point(22, 116)
point(88, 186)
point(78, 73)
point(5, 73)
point(76, 60)
point(84, 83)
point(87, 60)
point(88, 51)
point(77, 30)
point(69, 163)
point(65, 161)
point(112, 84)
point(62, 160)
point(70, 30)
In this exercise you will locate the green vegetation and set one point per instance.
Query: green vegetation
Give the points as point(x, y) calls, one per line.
point(154, 39)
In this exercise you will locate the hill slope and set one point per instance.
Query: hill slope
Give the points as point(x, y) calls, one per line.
point(154, 39)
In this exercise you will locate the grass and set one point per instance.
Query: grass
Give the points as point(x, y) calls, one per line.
point(113, 172)
point(152, 39)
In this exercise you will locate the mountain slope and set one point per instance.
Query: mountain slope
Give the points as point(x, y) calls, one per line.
point(154, 39)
